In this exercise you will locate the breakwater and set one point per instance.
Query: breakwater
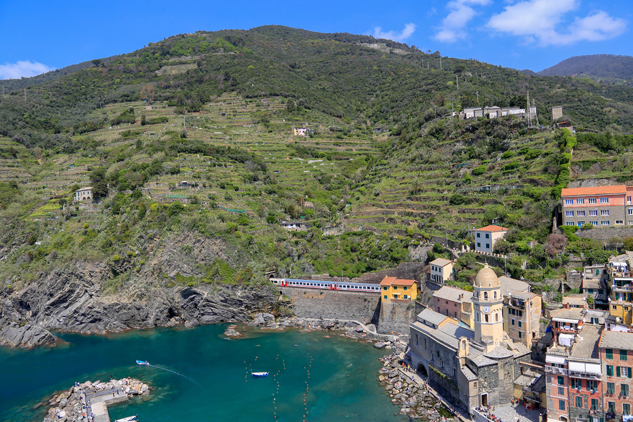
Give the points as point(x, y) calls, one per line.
point(90, 400)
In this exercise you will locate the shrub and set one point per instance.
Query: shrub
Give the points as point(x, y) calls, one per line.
point(479, 170)
point(588, 226)
point(457, 199)
point(508, 154)
point(116, 258)
point(535, 153)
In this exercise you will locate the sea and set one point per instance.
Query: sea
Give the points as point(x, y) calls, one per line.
point(198, 374)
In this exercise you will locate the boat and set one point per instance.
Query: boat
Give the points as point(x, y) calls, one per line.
point(260, 374)
point(128, 419)
point(142, 362)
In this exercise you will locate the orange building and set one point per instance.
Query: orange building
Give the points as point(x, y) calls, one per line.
point(392, 288)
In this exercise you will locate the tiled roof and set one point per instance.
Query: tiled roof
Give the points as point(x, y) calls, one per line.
point(453, 294)
point(403, 282)
point(441, 262)
point(572, 313)
point(586, 345)
point(431, 316)
point(616, 340)
point(575, 301)
point(598, 190)
point(512, 285)
point(387, 281)
point(492, 228)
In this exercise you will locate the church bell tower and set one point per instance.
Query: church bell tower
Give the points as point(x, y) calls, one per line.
point(488, 308)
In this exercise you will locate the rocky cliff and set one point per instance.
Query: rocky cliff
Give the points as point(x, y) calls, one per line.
point(78, 297)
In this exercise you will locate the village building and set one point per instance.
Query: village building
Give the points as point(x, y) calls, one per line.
point(601, 206)
point(574, 377)
point(454, 302)
point(620, 285)
point(486, 237)
point(441, 271)
point(575, 301)
point(566, 323)
point(396, 289)
point(616, 355)
point(521, 317)
point(294, 225)
point(557, 113)
point(494, 112)
point(301, 131)
point(469, 367)
point(83, 194)
point(595, 284)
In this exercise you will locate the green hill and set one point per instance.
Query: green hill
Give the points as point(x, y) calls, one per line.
point(386, 164)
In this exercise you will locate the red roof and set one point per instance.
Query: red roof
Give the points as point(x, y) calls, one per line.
point(598, 190)
point(390, 281)
point(387, 281)
point(492, 228)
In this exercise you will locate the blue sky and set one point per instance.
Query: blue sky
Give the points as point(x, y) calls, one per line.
point(36, 36)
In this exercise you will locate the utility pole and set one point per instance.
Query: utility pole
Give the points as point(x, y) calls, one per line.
point(477, 97)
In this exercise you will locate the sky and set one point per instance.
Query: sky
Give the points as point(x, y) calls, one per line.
point(38, 36)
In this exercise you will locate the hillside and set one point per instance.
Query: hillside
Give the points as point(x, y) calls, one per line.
point(188, 146)
point(597, 65)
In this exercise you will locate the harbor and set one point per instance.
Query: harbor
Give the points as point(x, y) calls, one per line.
point(89, 401)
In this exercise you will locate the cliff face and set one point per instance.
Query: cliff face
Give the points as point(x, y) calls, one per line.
point(76, 299)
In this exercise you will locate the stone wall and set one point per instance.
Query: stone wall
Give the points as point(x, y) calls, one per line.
point(314, 303)
point(395, 317)
point(606, 234)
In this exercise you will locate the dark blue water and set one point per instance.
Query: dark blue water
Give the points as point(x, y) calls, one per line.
point(311, 378)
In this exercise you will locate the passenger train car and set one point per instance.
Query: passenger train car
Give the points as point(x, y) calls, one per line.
point(327, 285)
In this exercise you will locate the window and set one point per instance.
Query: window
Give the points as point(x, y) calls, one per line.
point(622, 354)
point(611, 406)
point(594, 404)
point(561, 380)
point(604, 200)
point(609, 352)
point(561, 391)
point(487, 235)
point(580, 223)
point(604, 212)
point(576, 384)
point(626, 409)
point(405, 287)
point(478, 235)
point(610, 370)
point(630, 211)
point(561, 405)
point(580, 201)
point(487, 245)
point(569, 213)
point(595, 223)
point(385, 296)
point(385, 288)
point(592, 385)
point(519, 324)
point(578, 401)
point(520, 334)
point(478, 245)
point(624, 389)
point(580, 213)
point(617, 371)
point(610, 388)
point(405, 296)
point(569, 202)
point(593, 212)
point(619, 222)
point(593, 201)
point(512, 321)
point(628, 199)
point(604, 223)
point(570, 223)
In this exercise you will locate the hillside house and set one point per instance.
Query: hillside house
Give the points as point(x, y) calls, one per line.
point(494, 112)
point(294, 225)
point(557, 113)
point(602, 206)
point(441, 271)
point(486, 237)
point(393, 288)
point(301, 131)
point(83, 194)
point(454, 302)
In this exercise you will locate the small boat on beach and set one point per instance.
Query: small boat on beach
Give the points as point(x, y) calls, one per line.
point(142, 363)
point(260, 374)
point(128, 419)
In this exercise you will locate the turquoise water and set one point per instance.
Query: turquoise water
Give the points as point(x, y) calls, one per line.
point(312, 378)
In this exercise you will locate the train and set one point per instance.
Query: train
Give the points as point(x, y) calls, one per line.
point(327, 285)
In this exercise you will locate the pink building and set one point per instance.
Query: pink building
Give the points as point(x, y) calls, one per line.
point(601, 206)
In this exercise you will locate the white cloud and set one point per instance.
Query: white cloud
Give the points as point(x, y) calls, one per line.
point(22, 68)
point(453, 24)
point(408, 30)
point(538, 21)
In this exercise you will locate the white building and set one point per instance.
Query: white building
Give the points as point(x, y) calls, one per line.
point(486, 237)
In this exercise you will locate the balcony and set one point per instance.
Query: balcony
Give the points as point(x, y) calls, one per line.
point(555, 370)
point(568, 330)
point(625, 288)
point(585, 375)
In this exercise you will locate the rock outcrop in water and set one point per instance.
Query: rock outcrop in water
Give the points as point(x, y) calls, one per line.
point(78, 298)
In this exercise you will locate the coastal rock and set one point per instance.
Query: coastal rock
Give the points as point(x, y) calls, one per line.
point(74, 298)
point(15, 335)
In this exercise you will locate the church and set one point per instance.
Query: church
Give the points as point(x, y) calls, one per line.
point(468, 367)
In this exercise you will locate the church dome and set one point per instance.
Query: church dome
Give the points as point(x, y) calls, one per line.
point(486, 278)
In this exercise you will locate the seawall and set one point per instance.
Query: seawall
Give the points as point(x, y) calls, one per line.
point(313, 303)
point(395, 317)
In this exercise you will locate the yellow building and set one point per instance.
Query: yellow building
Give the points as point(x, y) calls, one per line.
point(392, 288)
point(622, 310)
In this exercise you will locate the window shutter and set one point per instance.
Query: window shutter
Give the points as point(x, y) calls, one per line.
point(617, 370)
point(630, 374)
